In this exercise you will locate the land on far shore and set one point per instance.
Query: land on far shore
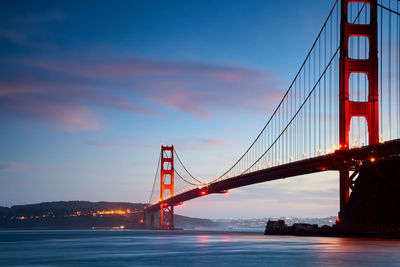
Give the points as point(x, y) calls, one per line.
point(97, 215)
point(85, 215)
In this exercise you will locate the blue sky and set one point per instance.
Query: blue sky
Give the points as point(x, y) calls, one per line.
point(89, 90)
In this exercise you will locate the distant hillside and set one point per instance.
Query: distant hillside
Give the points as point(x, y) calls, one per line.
point(60, 208)
point(84, 215)
point(190, 223)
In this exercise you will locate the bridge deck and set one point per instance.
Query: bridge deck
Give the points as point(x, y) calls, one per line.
point(317, 164)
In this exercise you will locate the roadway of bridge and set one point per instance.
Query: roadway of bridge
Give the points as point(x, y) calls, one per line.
point(327, 162)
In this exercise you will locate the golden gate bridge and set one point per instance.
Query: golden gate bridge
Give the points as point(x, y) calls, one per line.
point(341, 109)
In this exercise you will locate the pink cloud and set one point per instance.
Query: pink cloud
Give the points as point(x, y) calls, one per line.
point(118, 68)
point(212, 142)
point(203, 96)
point(113, 143)
point(200, 143)
point(67, 116)
point(71, 107)
point(70, 93)
point(20, 167)
point(187, 101)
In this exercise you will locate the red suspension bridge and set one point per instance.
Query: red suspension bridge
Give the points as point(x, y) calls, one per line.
point(341, 109)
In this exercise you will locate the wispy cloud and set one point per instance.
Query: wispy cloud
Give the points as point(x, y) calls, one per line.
point(15, 37)
point(184, 144)
point(69, 92)
point(213, 142)
point(200, 143)
point(117, 67)
point(189, 86)
point(44, 17)
point(20, 167)
point(111, 144)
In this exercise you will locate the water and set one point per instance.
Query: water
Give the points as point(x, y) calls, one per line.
point(189, 248)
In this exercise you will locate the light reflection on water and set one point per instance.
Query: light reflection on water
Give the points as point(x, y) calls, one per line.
point(190, 248)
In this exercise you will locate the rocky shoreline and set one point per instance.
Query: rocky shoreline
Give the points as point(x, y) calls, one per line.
point(372, 209)
point(303, 229)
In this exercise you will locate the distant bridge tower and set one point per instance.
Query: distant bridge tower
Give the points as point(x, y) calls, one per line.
point(348, 108)
point(167, 184)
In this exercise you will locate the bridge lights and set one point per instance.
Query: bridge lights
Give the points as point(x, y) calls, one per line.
point(226, 192)
point(203, 192)
point(372, 159)
point(323, 169)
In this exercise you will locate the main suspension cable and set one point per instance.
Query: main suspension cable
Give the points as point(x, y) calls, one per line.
point(388, 9)
point(180, 176)
point(284, 97)
point(197, 180)
point(295, 115)
point(155, 177)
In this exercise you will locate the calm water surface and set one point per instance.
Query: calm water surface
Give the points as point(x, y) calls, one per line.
point(189, 248)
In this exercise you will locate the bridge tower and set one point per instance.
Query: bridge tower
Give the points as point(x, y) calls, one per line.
point(348, 108)
point(167, 184)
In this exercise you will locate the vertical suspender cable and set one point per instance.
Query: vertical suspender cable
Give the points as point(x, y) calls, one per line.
point(381, 76)
point(358, 83)
point(389, 72)
point(398, 72)
point(324, 117)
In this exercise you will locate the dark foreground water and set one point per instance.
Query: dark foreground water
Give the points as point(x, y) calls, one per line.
point(184, 248)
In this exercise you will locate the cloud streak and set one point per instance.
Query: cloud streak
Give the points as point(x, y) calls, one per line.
point(69, 92)
point(20, 167)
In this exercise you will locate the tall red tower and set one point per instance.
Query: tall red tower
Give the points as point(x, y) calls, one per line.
point(167, 184)
point(348, 108)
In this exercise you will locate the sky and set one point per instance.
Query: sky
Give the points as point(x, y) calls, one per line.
point(90, 90)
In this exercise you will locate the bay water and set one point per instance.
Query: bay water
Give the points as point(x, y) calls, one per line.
point(189, 248)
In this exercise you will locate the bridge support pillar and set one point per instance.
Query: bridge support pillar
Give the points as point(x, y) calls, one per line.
point(344, 185)
point(167, 186)
point(348, 109)
point(151, 219)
